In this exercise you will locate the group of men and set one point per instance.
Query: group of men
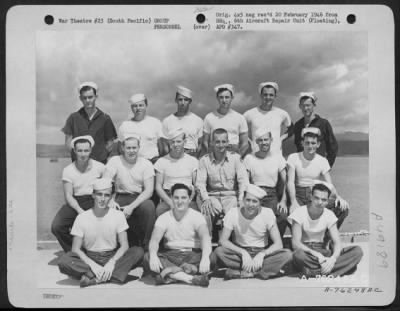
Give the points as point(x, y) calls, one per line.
point(184, 183)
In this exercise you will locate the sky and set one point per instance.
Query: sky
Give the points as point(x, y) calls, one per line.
point(332, 64)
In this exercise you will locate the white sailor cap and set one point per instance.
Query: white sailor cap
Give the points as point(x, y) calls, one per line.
point(271, 84)
point(85, 137)
point(229, 87)
point(314, 130)
point(309, 95)
point(175, 132)
point(88, 83)
point(184, 91)
point(136, 98)
point(102, 184)
point(125, 136)
point(325, 183)
point(256, 191)
point(261, 132)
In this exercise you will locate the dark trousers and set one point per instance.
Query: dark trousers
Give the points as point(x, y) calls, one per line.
point(272, 263)
point(64, 219)
point(303, 196)
point(174, 260)
point(141, 222)
point(71, 264)
point(271, 201)
point(346, 263)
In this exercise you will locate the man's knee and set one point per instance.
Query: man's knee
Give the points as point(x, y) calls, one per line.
point(299, 255)
point(66, 260)
point(146, 208)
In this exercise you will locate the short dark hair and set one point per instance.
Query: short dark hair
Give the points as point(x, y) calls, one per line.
point(87, 88)
point(219, 131)
point(181, 186)
point(312, 135)
point(223, 89)
point(80, 141)
point(321, 187)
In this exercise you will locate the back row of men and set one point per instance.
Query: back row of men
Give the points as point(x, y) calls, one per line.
point(90, 120)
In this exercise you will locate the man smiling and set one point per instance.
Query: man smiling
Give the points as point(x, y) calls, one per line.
point(249, 254)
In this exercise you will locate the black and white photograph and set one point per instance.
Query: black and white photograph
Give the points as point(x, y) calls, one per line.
point(205, 163)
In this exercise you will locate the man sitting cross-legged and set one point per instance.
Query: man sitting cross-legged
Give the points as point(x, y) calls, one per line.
point(100, 251)
point(186, 240)
point(309, 224)
point(249, 255)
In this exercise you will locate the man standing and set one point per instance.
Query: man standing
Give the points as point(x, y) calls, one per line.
point(221, 179)
point(90, 120)
point(100, 251)
point(176, 167)
point(230, 120)
point(183, 118)
point(264, 171)
point(309, 224)
point(77, 178)
point(249, 254)
point(329, 146)
point(147, 127)
point(186, 241)
point(134, 183)
point(266, 115)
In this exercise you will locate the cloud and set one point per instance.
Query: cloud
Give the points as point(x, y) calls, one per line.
point(333, 64)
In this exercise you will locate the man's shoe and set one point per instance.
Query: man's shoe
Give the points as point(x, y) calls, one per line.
point(189, 268)
point(86, 281)
point(231, 274)
point(201, 280)
point(288, 269)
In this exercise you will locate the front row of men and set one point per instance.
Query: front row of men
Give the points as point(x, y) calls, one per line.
point(101, 253)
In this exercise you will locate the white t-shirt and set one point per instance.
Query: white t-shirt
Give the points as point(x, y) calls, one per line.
point(183, 233)
point(128, 178)
point(271, 120)
point(233, 122)
point(308, 171)
point(150, 131)
point(312, 230)
point(99, 233)
point(264, 172)
point(250, 232)
point(192, 126)
point(177, 170)
point(82, 183)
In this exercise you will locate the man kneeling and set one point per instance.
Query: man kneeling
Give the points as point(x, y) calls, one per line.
point(96, 232)
point(309, 223)
point(248, 255)
point(187, 243)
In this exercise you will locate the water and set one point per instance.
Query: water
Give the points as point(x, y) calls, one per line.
point(349, 174)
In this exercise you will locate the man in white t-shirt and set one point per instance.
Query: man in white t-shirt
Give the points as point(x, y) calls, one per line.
point(265, 169)
point(187, 244)
point(100, 251)
point(192, 124)
point(134, 183)
point(309, 224)
point(147, 127)
point(77, 178)
point(266, 115)
point(176, 167)
point(307, 166)
point(226, 118)
point(248, 254)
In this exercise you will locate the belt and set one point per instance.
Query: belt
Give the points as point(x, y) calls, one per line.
point(222, 193)
point(315, 244)
point(190, 150)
